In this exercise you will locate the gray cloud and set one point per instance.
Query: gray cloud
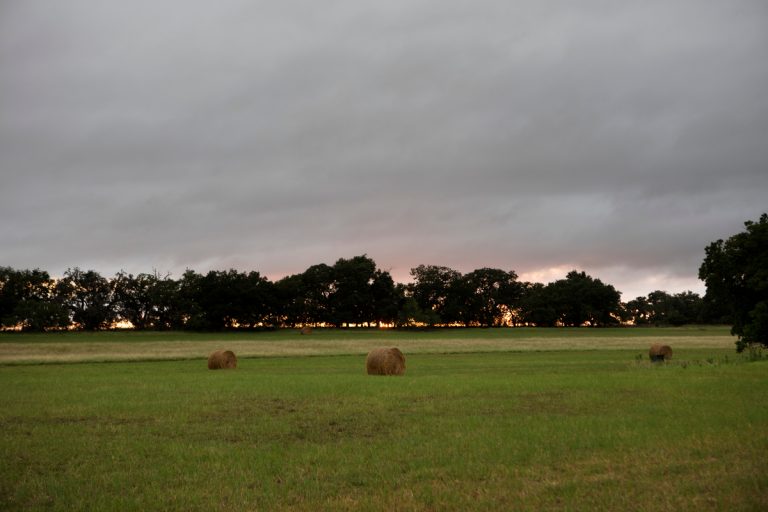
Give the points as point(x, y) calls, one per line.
point(617, 138)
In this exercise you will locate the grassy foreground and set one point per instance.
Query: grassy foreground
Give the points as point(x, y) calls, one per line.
point(528, 430)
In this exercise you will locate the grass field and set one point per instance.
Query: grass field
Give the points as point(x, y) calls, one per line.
point(143, 346)
point(482, 420)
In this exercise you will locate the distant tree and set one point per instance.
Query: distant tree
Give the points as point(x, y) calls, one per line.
point(227, 299)
point(735, 272)
point(187, 301)
point(167, 305)
point(492, 293)
point(318, 284)
point(26, 301)
point(662, 308)
point(387, 298)
point(255, 301)
point(460, 306)
point(352, 291)
point(88, 297)
point(580, 299)
point(41, 315)
point(132, 298)
point(289, 303)
point(436, 292)
point(537, 305)
point(411, 315)
point(218, 298)
point(638, 311)
point(352, 299)
point(11, 289)
point(689, 306)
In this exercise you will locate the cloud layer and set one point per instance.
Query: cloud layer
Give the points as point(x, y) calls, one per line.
point(536, 136)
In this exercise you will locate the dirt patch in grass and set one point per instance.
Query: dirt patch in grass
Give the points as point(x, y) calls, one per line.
point(12, 422)
point(552, 402)
point(281, 420)
point(570, 404)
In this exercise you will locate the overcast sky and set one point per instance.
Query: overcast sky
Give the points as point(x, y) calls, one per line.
point(619, 138)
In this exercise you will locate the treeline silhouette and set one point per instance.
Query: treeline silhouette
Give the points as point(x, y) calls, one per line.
point(352, 292)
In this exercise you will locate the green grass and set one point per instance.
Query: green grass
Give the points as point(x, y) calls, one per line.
point(524, 430)
point(144, 346)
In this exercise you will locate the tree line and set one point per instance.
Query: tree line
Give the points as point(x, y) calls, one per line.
point(352, 292)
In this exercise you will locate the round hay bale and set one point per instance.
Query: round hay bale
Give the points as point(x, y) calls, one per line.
point(385, 361)
point(306, 330)
point(222, 360)
point(659, 352)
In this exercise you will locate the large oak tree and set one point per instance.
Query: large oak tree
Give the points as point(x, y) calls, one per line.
point(735, 272)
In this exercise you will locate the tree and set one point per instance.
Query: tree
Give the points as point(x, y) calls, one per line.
point(218, 297)
point(227, 299)
point(689, 307)
point(41, 315)
point(187, 301)
point(638, 311)
point(352, 300)
point(432, 289)
point(387, 297)
point(662, 308)
point(255, 301)
point(411, 315)
point(735, 272)
point(317, 286)
point(26, 301)
point(132, 298)
point(88, 297)
point(289, 305)
point(167, 309)
point(537, 305)
point(577, 300)
point(492, 293)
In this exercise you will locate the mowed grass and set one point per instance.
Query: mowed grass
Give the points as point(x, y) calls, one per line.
point(527, 430)
point(144, 346)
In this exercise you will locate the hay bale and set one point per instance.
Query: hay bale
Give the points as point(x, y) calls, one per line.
point(385, 361)
point(306, 330)
point(222, 360)
point(659, 352)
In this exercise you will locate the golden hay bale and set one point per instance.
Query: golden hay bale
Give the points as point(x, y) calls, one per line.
point(385, 361)
point(222, 360)
point(659, 352)
point(306, 330)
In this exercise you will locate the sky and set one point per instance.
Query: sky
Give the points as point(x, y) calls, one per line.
point(617, 138)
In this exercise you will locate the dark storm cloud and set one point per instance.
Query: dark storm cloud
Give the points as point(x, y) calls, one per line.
point(620, 138)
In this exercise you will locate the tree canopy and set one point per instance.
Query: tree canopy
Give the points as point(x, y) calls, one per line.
point(735, 272)
point(579, 299)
